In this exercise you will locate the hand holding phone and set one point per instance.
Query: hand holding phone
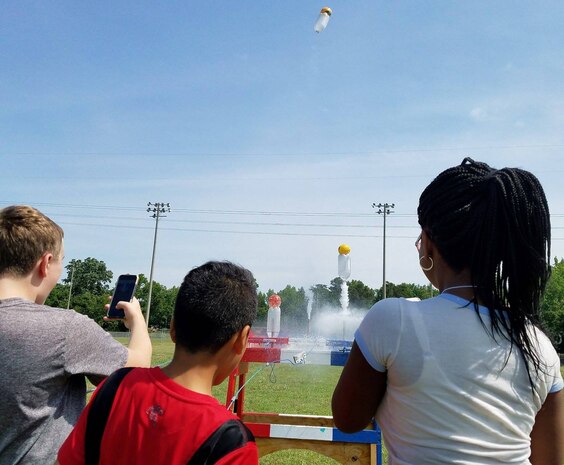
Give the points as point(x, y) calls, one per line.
point(125, 289)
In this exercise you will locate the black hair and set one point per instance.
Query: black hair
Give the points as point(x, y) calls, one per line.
point(214, 301)
point(496, 224)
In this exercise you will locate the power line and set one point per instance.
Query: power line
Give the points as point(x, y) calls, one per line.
point(260, 233)
point(243, 223)
point(377, 151)
point(77, 206)
point(202, 211)
point(222, 211)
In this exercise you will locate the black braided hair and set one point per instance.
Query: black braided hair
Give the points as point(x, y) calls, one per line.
point(496, 224)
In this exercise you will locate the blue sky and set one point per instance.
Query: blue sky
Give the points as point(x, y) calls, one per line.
point(270, 141)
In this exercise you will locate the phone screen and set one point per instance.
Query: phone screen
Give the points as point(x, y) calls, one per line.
point(125, 288)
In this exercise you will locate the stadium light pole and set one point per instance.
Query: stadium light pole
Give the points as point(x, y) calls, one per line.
point(70, 287)
point(384, 209)
point(157, 209)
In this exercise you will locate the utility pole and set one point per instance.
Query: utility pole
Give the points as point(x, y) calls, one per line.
point(384, 209)
point(70, 287)
point(157, 210)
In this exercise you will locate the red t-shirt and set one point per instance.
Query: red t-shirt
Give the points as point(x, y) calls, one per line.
point(155, 421)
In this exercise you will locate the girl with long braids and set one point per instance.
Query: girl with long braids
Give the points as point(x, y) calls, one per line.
point(466, 377)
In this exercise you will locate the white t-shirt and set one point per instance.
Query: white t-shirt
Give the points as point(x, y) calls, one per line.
point(454, 394)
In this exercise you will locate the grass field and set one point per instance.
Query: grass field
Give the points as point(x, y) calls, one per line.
point(280, 388)
point(301, 389)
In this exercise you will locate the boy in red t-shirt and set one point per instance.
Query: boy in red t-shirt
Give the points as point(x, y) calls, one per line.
point(169, 416)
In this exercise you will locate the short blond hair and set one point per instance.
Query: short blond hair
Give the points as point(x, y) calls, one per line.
point(26, 235)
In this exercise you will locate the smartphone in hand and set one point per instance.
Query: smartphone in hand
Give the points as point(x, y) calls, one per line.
point(125, 289)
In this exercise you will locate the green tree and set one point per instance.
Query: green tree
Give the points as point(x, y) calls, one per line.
point(336, 287)
point(166, 307)
point(405, 290)
point(323, 297)
point(293, 309)
point(88, 275)
point(87, 282)
point(162, 301)
point(59, 296)
point(91, 305)
point(552, 306)
point(360, 295)
point(262, 309)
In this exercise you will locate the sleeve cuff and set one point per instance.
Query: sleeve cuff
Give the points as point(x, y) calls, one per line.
point(366, 353)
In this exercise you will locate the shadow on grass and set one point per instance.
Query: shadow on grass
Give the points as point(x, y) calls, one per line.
point(296, 457)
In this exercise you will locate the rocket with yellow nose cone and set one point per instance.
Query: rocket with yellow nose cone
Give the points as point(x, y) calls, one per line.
point(344, 262)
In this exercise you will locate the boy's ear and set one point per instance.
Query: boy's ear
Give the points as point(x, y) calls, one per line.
point(240, 343)
point(43, 264)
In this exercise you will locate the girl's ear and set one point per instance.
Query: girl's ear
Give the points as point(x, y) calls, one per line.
point(427, 245)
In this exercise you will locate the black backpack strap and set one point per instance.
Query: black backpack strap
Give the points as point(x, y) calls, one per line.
point(230, 436)
point(98, 415)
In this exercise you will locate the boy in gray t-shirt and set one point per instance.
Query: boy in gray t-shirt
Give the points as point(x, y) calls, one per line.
point(48, 352)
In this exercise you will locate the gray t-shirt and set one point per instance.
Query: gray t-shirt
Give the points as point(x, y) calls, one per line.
point(45, 354)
